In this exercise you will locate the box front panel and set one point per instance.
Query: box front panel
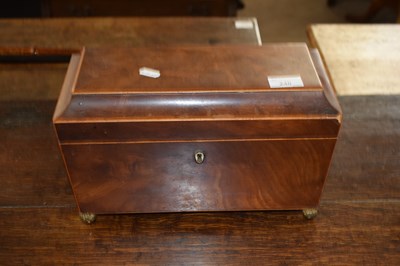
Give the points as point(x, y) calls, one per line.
point(224, 176)
point(196, 130)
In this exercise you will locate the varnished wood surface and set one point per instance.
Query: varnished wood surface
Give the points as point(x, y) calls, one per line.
point(28, 82)
point(196, 130)
point(358, 223)
point(343, 234)
point(63, 33)
point(365, 166)
point(164, 177)
point(237, 68)
point(31, 169)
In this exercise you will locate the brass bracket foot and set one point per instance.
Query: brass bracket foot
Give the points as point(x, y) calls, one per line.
point(310, 213)
point(87, 217)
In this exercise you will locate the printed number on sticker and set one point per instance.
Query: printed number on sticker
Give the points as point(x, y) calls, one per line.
point(285, 82)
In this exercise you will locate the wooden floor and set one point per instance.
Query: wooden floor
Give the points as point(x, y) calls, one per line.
point(358, 223)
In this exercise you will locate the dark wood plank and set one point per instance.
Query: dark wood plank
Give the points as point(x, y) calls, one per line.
point(31, 82)
point(366, 160)
point(123, 32)
point(155, 8)
point(343, 234)
point(31, 169)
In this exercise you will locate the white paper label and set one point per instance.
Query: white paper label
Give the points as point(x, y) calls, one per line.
point(285, 81)
point(244, 24)
point(149, 72)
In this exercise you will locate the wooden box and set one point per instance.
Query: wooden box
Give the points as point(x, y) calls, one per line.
point(223, 128)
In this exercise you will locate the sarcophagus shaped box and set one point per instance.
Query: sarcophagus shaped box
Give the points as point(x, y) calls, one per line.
point(197, 128)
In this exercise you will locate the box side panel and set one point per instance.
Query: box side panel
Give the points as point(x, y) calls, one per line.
point(69, 82)
point(329, 91)
point(164, 177)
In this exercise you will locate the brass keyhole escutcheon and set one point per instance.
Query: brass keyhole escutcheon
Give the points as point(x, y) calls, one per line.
point(199, 157)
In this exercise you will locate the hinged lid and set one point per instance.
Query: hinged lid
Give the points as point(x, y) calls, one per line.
point(202, 93)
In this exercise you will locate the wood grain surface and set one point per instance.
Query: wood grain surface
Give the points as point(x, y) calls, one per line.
point(342, 234)
point(367, 155)
point(63, 33)
point(235, 68)
point(362, 59)
point(358, 221)
point(164, 177)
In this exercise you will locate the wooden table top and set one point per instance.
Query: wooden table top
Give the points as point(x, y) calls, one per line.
point(362, 59)
point(64, 33)
point(358, 223)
